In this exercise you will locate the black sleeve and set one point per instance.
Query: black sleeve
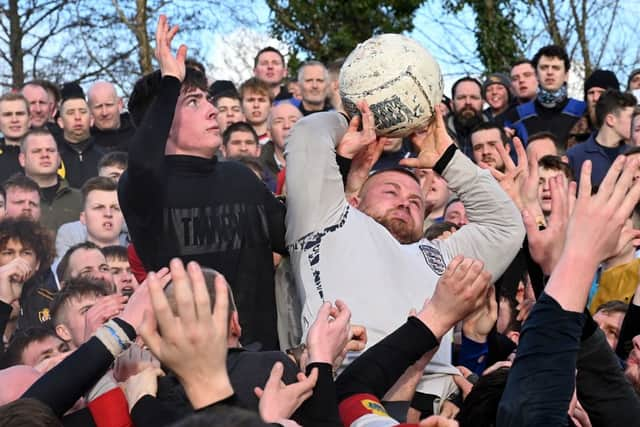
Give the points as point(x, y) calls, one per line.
point(377, 369)
point(145, 170)
point(5, 313)
point(67, 382)
point(321, 409)
point(542, 378)
point(344, 165)
point(276, 210)
point(603, 390)
point(150, 412)
point(629, 329)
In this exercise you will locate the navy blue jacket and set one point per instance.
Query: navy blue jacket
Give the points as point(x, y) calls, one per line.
point(590, 150)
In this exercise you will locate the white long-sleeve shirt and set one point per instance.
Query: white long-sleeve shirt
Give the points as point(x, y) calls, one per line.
point(338, 252)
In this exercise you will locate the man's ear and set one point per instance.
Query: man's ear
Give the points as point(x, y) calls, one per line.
point(235, 329)
point(609, 120)
point(21, 159)
point(354, 201)
point(223, 150)
point(83, 220)
point(60, 123)
point(63, 332)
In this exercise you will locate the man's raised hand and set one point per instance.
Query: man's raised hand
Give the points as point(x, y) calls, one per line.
point(461, 290)
point(12, 277)
point(169, 65)
point(431, 144)
point(355, 140)
point(193, 343)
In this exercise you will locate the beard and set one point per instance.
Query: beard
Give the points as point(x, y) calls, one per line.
point(404, 232)
point(468, 118)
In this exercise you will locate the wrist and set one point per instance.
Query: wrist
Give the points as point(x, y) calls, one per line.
point(207, 391)
point(436, 322)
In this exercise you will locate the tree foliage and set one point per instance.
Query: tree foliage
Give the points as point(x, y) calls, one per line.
point(86, 40)
point(497, 35)
point(329, 29)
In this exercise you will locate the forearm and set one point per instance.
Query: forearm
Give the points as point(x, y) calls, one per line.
point(63, 385)
point(315, 192)
point(572, 298)
point(375, 371)
point(146, 147)
point(321, 409)
point(495, 231)
point(542, 379)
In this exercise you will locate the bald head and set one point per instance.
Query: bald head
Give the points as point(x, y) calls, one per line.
point(281, 119)
point(105, 105)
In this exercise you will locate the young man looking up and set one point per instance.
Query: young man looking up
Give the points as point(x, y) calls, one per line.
point(227, 220)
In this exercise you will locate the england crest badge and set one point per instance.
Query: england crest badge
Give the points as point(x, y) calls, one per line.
point(434, 258)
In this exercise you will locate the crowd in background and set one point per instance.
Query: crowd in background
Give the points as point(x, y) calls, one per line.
point(237, 256)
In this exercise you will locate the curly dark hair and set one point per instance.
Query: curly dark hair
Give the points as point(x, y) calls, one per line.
point(31, 234)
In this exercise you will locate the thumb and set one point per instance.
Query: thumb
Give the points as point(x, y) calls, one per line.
point(354, 124)
point(258, 392)
point(529, 223)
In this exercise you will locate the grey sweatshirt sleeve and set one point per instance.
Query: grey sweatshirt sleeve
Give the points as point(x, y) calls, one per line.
point(315, 192)
point(495, 231)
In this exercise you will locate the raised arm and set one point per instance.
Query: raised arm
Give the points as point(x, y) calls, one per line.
point(495, 232)
point(315, 192)
point(141, 182)
point(550, 339)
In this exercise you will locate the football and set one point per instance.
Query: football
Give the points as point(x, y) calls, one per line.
point(398, 78)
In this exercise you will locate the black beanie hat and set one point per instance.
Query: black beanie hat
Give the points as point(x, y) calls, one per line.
point(604, 79)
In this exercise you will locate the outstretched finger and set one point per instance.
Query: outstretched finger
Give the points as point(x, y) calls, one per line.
point(171, 34)
point(584, 193)
point(521, 153)
point(506, 158)
point(631, 199)
point(499, 176)
point(624, 183)
point(182, 292)
point(200, 293)
point(275, 377)
point(559, 200)
point(453, 265)
point(354, 124)
point(181, 55)
point(608, 184)
point(221, 306)
point(149, 327)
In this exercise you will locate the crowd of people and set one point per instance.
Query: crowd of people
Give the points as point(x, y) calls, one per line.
point(222, 256)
